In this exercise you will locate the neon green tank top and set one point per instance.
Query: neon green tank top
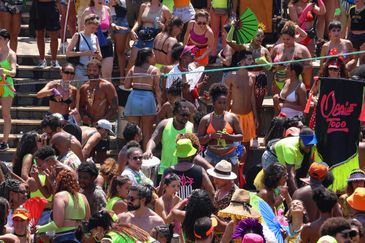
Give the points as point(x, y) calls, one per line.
point(169, 143)
point(119, 237)
point(111, 201)
point(73, 212)
point(5, 64)
point(219, 4)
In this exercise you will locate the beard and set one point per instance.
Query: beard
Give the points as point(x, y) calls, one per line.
point(131, 207)
point(93, 76)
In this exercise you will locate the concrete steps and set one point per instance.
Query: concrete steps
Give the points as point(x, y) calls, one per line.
point(28, 112)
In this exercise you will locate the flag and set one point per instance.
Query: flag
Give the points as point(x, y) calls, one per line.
point(337, 125)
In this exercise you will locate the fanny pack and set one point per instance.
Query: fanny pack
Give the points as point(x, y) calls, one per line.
point(147, 34)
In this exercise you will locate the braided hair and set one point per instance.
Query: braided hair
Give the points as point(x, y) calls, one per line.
point(7, 186)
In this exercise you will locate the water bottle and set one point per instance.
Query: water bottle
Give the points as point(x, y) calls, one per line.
point(157, 19)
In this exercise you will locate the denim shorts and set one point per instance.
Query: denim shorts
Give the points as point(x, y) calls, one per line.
point(185, 14)
point(68, 236)
point(268, 158)
point(122, 22)
point(140, 103)
point(213, 159)
point(140, 43)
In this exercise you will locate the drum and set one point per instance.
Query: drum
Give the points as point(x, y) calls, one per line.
point(150, 168)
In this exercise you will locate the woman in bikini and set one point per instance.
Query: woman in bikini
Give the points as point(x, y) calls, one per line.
point(293, 96)
point(62, 95)
point(220, 130)
point(337, 45)
point(7, 91)
point(286, 51)
point(152, 18)
point(199, 34)
point(165, 40)
point(144, 78)
point(301, 12)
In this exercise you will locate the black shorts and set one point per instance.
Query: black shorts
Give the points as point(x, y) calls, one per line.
point(107, 50)
point(47, 16)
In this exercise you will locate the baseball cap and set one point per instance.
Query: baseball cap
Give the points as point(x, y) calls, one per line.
point(21, 213)
point(292, 131)
point(105, 124)
point(308, 136)
point(318, 170)
point(59, 116)
point(188, 48)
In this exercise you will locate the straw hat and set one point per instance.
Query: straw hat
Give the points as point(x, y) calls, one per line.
point(222, 170)
point(240, 207)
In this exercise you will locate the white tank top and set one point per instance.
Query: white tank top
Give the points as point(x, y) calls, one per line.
point(91, 40)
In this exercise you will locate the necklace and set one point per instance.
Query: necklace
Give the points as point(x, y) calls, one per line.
point(90, 96)
point(218, 115)
point(64, 85)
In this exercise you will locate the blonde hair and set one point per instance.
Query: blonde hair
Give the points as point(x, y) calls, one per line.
point(92, 19)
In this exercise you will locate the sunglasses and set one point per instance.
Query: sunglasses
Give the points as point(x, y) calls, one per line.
point(137, 158)
point(333, 69)
point(69, 72)
point(349, 233)
point(201, 23)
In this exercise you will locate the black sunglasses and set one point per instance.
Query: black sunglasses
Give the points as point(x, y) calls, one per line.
point(69, 72)
point(349, 233)
point(137, 158)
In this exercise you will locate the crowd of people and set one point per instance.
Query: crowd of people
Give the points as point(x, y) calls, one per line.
point(180, 174)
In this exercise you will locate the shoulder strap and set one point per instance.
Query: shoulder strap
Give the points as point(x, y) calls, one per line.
point(77, 46)
point(87, 43)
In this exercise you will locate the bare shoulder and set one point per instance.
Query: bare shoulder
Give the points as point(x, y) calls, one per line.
point(124, 217)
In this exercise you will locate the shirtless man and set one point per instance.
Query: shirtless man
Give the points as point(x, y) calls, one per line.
point(241, 100)
point(138, 212)
point(317, 174)
point(60, 142)
point(325, 201)
point(342, 46)
point(53, 124)
point(95, 140)
point(98, 97)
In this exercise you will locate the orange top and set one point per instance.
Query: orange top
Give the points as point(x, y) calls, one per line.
point(211, 129)
point(181, 3)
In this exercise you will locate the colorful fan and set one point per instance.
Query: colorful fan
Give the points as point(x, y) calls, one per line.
point(268, 216)
point(35, 206)
point(246, 27)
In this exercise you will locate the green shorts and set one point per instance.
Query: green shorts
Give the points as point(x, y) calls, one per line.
point(7, 87)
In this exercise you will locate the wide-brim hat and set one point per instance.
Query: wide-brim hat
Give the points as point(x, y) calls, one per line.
point(357, 199)
point(222, 170)
point(240, 207)
point(356, 175)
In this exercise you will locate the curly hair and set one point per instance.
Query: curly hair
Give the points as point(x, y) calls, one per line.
point(116, 181)
point(358, 224)
point(100, 219)
point(335, 225)
point(88, 167)
point(272, 175)
point(7, 186)
point(109, 169)
point(130, 131)
point(174, 21)
point(67, 181)
point(27, 145)
point(199, 205)
point(324, 199)
point(216, 90)
point(193, 138)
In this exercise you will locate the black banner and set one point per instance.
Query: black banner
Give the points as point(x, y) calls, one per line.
point(337, 125)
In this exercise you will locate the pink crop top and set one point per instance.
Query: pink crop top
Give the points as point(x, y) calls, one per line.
point(104, 23)
point(198, 39)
